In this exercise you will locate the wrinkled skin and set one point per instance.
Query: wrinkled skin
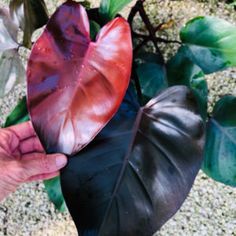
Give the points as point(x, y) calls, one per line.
point(22, 159)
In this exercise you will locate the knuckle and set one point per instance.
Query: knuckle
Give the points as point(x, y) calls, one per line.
point(37, 144)
point(45, 164)
point(5, 138)
point(9, 140)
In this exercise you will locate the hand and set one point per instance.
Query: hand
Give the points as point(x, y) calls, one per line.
point(22, 158)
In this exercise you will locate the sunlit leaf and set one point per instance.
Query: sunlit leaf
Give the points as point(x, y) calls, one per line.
point(12, 71)
point(182, 71)
point(109, 8)
point(220, 149)
point(139, 169)
point(18, 115)
point(75, 85)
point(8, 31)
point(86, 4)
point(29, 15)
point(211, 43)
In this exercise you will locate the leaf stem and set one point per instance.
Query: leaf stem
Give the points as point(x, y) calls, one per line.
point(137, 83)
point(147, 38)
point(150, 29)
point(139, 8)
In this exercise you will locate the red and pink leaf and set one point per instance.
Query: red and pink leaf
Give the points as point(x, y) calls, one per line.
point(75, 85)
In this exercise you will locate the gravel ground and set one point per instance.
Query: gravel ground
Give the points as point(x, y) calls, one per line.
point(210, 208)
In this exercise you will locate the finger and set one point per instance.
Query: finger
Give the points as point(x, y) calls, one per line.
point(31, 145)
point(43, 164)
point(23, 131)
point(43, 176)
point(32, 155)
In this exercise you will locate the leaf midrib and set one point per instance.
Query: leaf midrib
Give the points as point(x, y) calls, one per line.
point(124, 166)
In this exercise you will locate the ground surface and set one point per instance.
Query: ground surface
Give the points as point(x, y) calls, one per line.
point(210, 208)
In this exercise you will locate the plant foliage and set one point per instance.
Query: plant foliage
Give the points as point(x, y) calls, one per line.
point(75, 110)
point(219, 160)
point(210, 42)
point(140, 167)
point(29, 15)
point(133, 153)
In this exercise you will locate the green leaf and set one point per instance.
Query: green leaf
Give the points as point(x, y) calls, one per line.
point(149, 57)
point(12, 71)
point(8, 31)
point(109, 8)
point(152, 78)
point(211, 43)
point(232, 4)
point(18, 115)
point(86, 4)
point(29, 15)
point(182, 71)
point(94, 29)
point(53, 188)
point(220, 149)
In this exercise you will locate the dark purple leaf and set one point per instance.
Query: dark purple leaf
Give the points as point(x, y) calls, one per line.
point(139, 169)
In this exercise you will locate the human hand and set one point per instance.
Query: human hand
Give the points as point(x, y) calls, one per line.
point(22, 158)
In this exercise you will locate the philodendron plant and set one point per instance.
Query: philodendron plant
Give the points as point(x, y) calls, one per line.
point(134, 127)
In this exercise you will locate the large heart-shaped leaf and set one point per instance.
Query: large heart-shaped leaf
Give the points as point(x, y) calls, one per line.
point(75, 85)
point(220, 149)
point(182, 71)
point(139, 169)
point(211, 43)
point(29, 15)
point(12, 71)
point(8, 31)
point(109, 8)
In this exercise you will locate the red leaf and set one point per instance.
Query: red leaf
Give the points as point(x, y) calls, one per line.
point(75, 85)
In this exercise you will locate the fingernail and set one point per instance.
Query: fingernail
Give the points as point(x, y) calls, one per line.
point(61, 161)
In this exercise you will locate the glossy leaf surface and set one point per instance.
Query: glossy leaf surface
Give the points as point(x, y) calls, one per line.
point(8, 31)
point(211, 42)
point(29, 15)
point(109, 8)
point(152, 78)
point(151, 73)
point(182, 71)
point(220, 149)
point(139, 169)
point(75, 85)
point(12, 71)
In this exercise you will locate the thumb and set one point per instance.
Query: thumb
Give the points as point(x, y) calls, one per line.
point(39, 164)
